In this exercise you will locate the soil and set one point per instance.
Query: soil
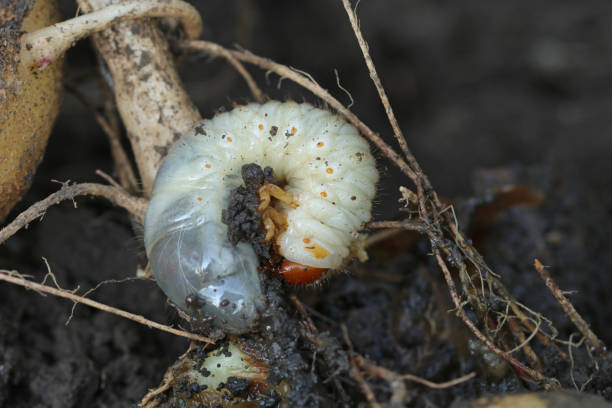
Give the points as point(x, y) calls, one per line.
point(492, 97)
point(244, 222)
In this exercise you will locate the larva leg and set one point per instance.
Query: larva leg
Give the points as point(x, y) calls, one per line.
point(269, 190)
point(278, 218)
point(264, 199)
point(269, 226)
point(273, 221)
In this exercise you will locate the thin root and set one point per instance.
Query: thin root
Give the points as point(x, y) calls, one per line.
point(150, 399)
point(569, 309)
point(11, 277)
point(135, 205)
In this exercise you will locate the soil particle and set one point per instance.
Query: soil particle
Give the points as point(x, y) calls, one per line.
point(238, 387)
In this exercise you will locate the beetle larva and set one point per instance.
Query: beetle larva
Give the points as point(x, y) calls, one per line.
point(325, 168)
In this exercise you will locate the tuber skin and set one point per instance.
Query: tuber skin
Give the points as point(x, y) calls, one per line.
point(39, 50)
point(29, 99)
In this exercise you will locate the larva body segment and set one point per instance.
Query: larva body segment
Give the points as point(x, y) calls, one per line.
point(317, 156)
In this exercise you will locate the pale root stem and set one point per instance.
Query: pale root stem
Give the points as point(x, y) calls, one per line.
point(151, 99)
point(42, 47)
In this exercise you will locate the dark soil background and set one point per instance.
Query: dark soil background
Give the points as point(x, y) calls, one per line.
point(524, 87)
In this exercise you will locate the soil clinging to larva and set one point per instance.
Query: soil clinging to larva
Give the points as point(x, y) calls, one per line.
point(244, 222)
point(281, 350)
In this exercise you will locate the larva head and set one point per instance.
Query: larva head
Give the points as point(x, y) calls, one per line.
point(296, 274)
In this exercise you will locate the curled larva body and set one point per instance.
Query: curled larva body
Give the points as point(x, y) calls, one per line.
point(321, 160)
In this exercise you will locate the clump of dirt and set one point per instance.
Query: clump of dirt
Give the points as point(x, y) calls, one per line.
point(244, 222)
point(284, 349)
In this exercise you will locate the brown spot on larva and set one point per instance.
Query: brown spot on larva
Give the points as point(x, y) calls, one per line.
point(293, 130)
point(306, 240)
point(200, 198)
point(207, 165)
point(261, 126)
point(317, 251)
point(353, 198)
point(320, 144)
point(273, 130)
point(229, 139)
point(323, 194)
point(329, 170)
point(359, 156)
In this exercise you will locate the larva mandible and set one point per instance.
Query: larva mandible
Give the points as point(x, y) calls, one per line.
point(325, 166)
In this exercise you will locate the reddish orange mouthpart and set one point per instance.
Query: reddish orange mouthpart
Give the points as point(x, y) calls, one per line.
point(298, 274)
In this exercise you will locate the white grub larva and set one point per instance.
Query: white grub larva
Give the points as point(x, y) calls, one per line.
point(329, 179)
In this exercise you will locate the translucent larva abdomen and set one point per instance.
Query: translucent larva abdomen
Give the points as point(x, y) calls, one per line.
point(316, 156)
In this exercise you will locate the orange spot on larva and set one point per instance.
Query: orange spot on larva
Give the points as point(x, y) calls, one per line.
point(323, 194)
point(329, 170)
point(306, 240)
point(200, 198)
point(317, 251)
point(320, 144)
point(261, 126)
point(297, 274)
point(207, 166)
point(293, 130)
point(229, 139)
